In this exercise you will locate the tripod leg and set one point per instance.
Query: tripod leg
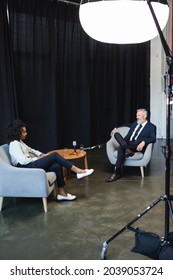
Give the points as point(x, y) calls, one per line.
point(104, 250)
point(105, 243)
point(170, 209)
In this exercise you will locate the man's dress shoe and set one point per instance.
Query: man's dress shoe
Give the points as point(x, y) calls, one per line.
point(114, 177)
point(129, 153)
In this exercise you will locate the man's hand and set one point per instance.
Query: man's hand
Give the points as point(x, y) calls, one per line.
point(140, 146)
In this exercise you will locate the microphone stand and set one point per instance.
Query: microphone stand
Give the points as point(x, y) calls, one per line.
point(166, 149)
point(74, 151)
point(93, 147)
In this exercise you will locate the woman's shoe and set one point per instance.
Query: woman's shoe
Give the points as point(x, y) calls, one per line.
point(69, 197)
point(87, 173)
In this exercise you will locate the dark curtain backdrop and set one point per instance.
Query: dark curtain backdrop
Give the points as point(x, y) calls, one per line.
point(62, 83)
point(8, 99)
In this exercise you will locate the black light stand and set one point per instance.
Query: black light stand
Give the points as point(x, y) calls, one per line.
point(167, 198)
point(168, 91)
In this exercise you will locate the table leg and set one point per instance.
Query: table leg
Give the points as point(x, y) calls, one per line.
point(85, 162)
point(64, 171)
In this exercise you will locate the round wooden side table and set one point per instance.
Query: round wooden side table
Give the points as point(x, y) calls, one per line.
point(71, 154)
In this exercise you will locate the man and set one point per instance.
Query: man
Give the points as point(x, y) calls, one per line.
point(141, 133)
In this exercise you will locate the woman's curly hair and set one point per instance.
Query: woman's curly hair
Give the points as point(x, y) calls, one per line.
point(13, 130)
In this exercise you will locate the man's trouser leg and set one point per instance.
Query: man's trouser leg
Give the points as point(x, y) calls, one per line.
point(120, 140)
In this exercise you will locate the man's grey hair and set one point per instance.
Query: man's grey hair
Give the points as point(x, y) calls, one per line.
point(144, 111)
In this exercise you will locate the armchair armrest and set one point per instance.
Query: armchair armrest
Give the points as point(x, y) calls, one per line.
point(112, 144)
point(22, 182)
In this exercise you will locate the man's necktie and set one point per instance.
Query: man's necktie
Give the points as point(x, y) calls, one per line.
point(136, 132)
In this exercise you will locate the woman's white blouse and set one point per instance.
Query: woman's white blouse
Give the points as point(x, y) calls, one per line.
point(21, 153)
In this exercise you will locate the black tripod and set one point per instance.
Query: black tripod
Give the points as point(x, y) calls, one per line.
point(167, 198)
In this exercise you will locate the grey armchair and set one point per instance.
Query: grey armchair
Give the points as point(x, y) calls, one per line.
point(23, 182)
point(139, 159)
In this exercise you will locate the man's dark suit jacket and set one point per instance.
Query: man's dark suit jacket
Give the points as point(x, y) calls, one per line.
point(148, 134)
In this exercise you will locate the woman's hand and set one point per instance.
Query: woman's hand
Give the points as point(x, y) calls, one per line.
point(41, 156)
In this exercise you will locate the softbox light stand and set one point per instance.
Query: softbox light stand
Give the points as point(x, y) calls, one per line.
point(167, 198)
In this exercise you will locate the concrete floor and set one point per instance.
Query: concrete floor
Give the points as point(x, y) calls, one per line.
point(76, 230)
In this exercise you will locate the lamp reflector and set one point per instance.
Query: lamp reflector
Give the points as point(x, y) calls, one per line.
point(122, 21)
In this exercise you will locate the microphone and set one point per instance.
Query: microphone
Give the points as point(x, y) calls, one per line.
point(74, 145)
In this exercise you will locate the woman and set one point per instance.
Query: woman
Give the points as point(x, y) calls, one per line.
point(26, 157)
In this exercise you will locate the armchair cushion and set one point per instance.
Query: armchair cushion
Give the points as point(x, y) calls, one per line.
point(136, 156)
